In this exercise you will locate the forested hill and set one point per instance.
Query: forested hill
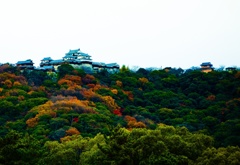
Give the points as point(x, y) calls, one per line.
point(142, 117)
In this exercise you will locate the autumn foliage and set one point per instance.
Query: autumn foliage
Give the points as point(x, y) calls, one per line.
point(72, 131)
point(70, 82)
point(133, 123)
point(58, 103)
point(71, 115)
point(117, 112)
point(110, 102)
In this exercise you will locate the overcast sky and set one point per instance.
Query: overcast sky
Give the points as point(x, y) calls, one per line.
point(144, 33)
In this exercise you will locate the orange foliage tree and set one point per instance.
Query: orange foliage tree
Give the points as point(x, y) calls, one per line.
point(9, 76)
point(72, 131)
point(97, 87)
point(114, 91)
point(91, 86)
point(129, 94)
point(87, 93)
point(88, 79)
point(211, 97)
point(237, 75)
point(8, 83)
point(133, 123)
point(71, 81)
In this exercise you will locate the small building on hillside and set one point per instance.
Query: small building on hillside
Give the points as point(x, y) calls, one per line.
point(231, 69)
point(167, 69)
point(28, 64)
point(206, 67)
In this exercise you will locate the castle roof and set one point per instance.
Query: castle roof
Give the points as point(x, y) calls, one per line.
point(46, 68)
point(69, 56)
point(47, 59)
point(111, 65)
point(56, 61)
point(85, 54)
point(73, 51)
point(206, 64)
point(77, 52)
point(99, 63)
point(25, 62)
point(84, 61)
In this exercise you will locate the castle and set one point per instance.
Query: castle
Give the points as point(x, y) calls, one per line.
point(76, 58)
point(206, 67)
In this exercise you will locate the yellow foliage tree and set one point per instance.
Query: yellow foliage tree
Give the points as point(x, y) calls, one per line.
point(114, 91)
point(9, 76)
point(8, 83)
point(119, 83)
point(110, 102)
point(17, 83)
point(143, 80)
point(32, 122)
point(60, 103)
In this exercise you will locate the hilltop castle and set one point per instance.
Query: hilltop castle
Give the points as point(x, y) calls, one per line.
point(76, 58)
point(206, 67)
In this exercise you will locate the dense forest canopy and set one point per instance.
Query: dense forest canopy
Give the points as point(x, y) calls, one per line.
point(130, 117)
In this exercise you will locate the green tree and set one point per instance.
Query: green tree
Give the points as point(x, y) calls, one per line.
point(65, 69)
point(229, 155)
point(18, 149)
point(165, 145)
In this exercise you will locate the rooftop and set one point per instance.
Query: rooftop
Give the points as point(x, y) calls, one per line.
point(206, 64)
point(25, 62)
point(46, 68)
point(112, 65)
point(47, 59)
point(99, 64)
point(56, 61)
point(73, 51)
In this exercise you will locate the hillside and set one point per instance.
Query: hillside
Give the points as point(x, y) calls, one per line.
point(142, 117)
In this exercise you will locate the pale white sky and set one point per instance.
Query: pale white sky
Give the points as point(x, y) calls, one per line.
point(145, 33)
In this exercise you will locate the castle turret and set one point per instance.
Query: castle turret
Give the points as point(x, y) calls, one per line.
point(28, 64)
point(206, 67)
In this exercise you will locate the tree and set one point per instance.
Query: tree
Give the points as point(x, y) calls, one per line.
point(229, 155)
point(35, 77)
point(18, 149)
point(65, 69)
point(124, 69)
point(165, 145)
